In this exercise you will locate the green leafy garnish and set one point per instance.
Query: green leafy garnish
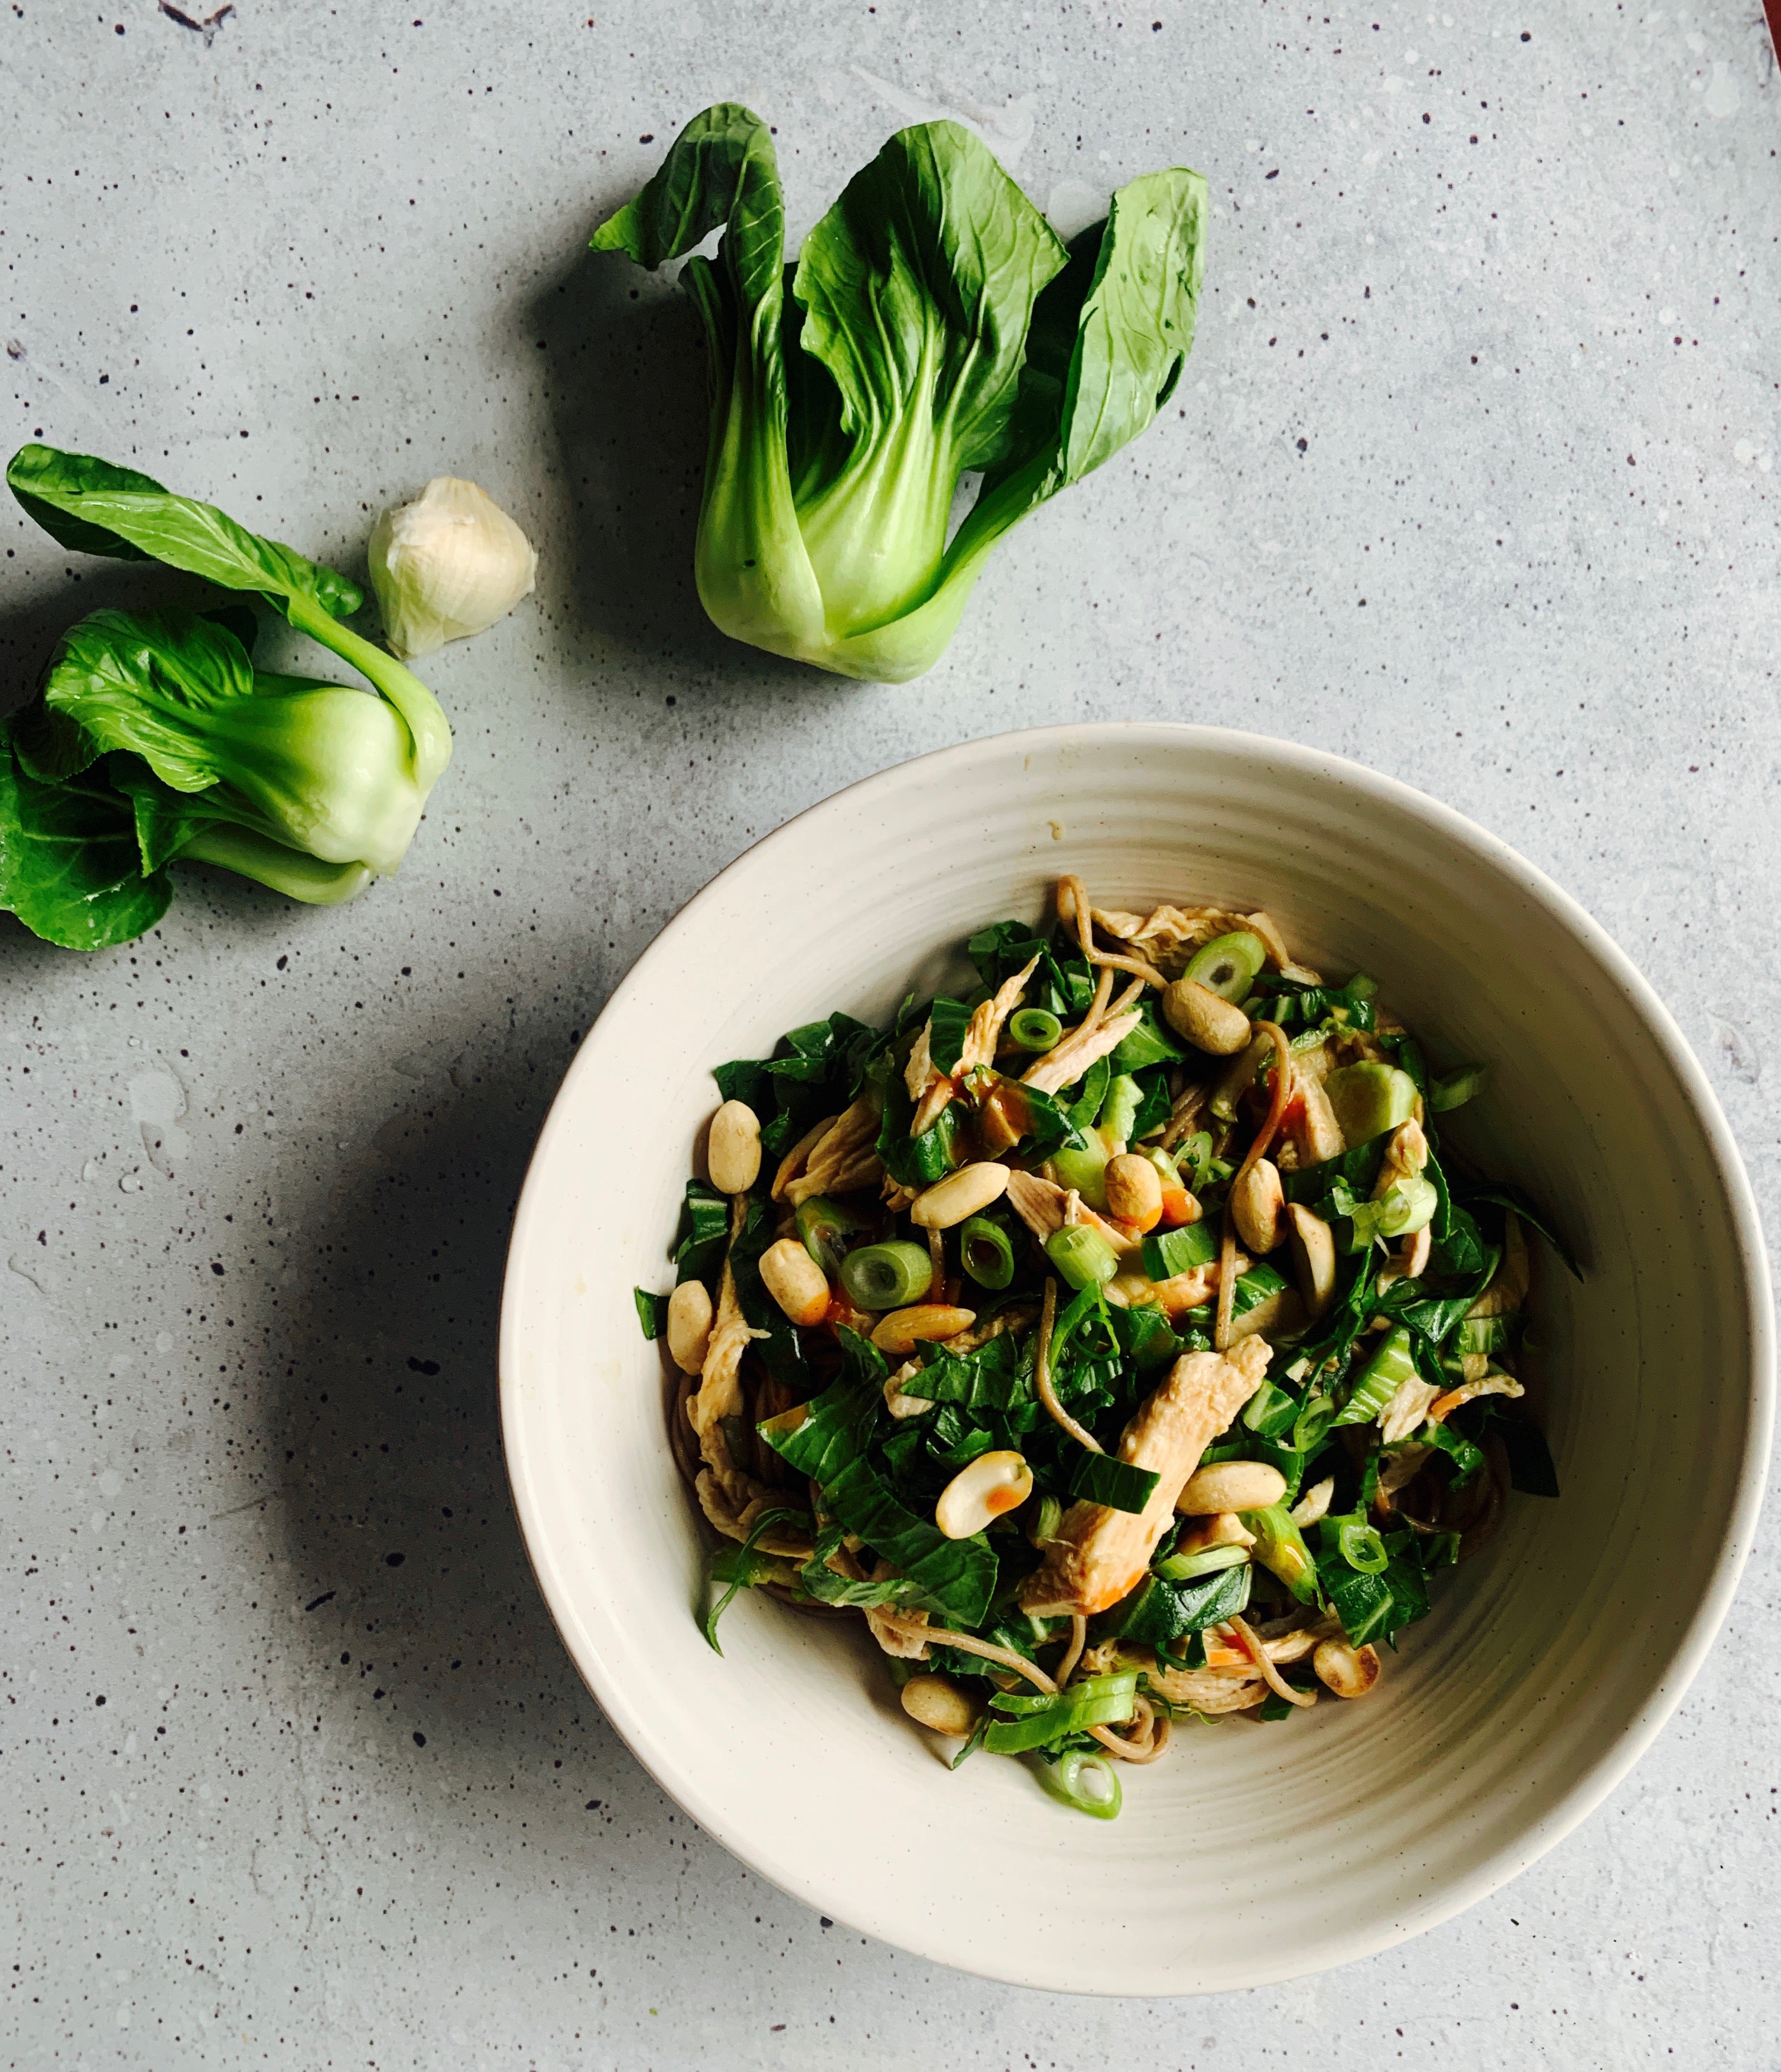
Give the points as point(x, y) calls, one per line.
point(742, 1567)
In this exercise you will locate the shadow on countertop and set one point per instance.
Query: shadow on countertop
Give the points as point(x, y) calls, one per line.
point(423, 1629)
point(628, 405)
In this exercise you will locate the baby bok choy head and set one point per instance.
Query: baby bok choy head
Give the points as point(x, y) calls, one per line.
point(154, 733)
point(935, 326)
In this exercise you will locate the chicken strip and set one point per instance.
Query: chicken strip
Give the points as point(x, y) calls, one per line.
point(1044, 1206)
point(1100, 1555)
point(933, 1090)
point(845, 1157)
point(720, 1391)
point(1064, 1064)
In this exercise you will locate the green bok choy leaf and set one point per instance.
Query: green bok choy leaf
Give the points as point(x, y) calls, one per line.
point(159, 721)
point(936, 326)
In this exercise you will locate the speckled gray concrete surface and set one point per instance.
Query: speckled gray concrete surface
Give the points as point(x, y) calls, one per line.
point(1471, 476)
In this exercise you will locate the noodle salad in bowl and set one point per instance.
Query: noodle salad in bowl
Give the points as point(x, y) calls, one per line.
point(1122, 1342)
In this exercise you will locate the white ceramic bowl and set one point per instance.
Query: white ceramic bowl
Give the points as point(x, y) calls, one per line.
point(1250, 1854)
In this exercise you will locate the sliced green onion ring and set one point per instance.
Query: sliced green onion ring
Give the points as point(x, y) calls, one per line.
point(1361, 1547)
point(1229, 963)
point(823, 1225)
point(887, 1277)
point(1082, 1256)
point(1453, 1089)
point(1208, 1561)
point(985, 1253)
point(1090, 1783)
point(1033, 1029)
point(1399, 1213)
point(1194, 1157)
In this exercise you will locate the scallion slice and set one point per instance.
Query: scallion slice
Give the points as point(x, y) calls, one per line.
point(985, 1253)
point(1082, 1256)
point(1090, 1783)
point(1360, 1545)
point(1184, 1567)
point(1227, 965)
point(1381, 1378)
point(1193, 1158)
point(1096, 1701)
point(1033, 1029)
point(1453, 1089)
point(823, 1225)
point(887, 1277)
point(1405, 1209)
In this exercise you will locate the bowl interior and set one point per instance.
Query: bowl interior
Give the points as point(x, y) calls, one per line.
point(1250, 1852)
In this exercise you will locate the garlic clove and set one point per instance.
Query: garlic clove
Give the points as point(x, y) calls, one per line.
point(446, 567)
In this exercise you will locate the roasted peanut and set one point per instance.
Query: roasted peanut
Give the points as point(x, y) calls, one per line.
point(1314, 1504)
point(1316, 1132)
point(1258, 1205)
point(938, 1703)
point(1223, 1528)
point(991, 1485)
point(1313, 1259)
point(1413, 1256)
point(959, 1194)
point(688, 1326)
point(1134, 1190)
point(795, 1281)
point(1406, 1154)
point(903, 1330)
point(1207, 1022)
point(732, 1150)
point(1350, 1672)
point(1231, 1485)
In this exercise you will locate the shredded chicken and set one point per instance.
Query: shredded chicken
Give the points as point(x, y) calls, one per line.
point(1099, 1554)
point(1044, 1206)
point(1508, 1285)
point(983, 1031)
point(1405, 1155)
point(791, 1165)
point(1397, 1469)
point(1065, 1062)
point(1072, 900)
point(736, 1524)
point(1492, 1384)
point(720, 1393)
point(1169, 935)
point(920, 1073)
point(1183, 1291)
point(1275, 944)
point(1015, 1318)
point(1407, 1409)
point(893, 1629)
point(930, 1089)
point(845, 1157)
point(1207, 1691)
point(898, 1405)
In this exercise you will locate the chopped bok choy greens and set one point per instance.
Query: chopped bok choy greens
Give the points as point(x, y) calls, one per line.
point(1085, 1479)
point(934, 326)
point(154, 739)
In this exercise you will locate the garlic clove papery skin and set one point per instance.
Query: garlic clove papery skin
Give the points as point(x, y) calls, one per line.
point(447, 566)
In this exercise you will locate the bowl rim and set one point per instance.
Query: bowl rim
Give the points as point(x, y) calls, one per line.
point(1504, 1860)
